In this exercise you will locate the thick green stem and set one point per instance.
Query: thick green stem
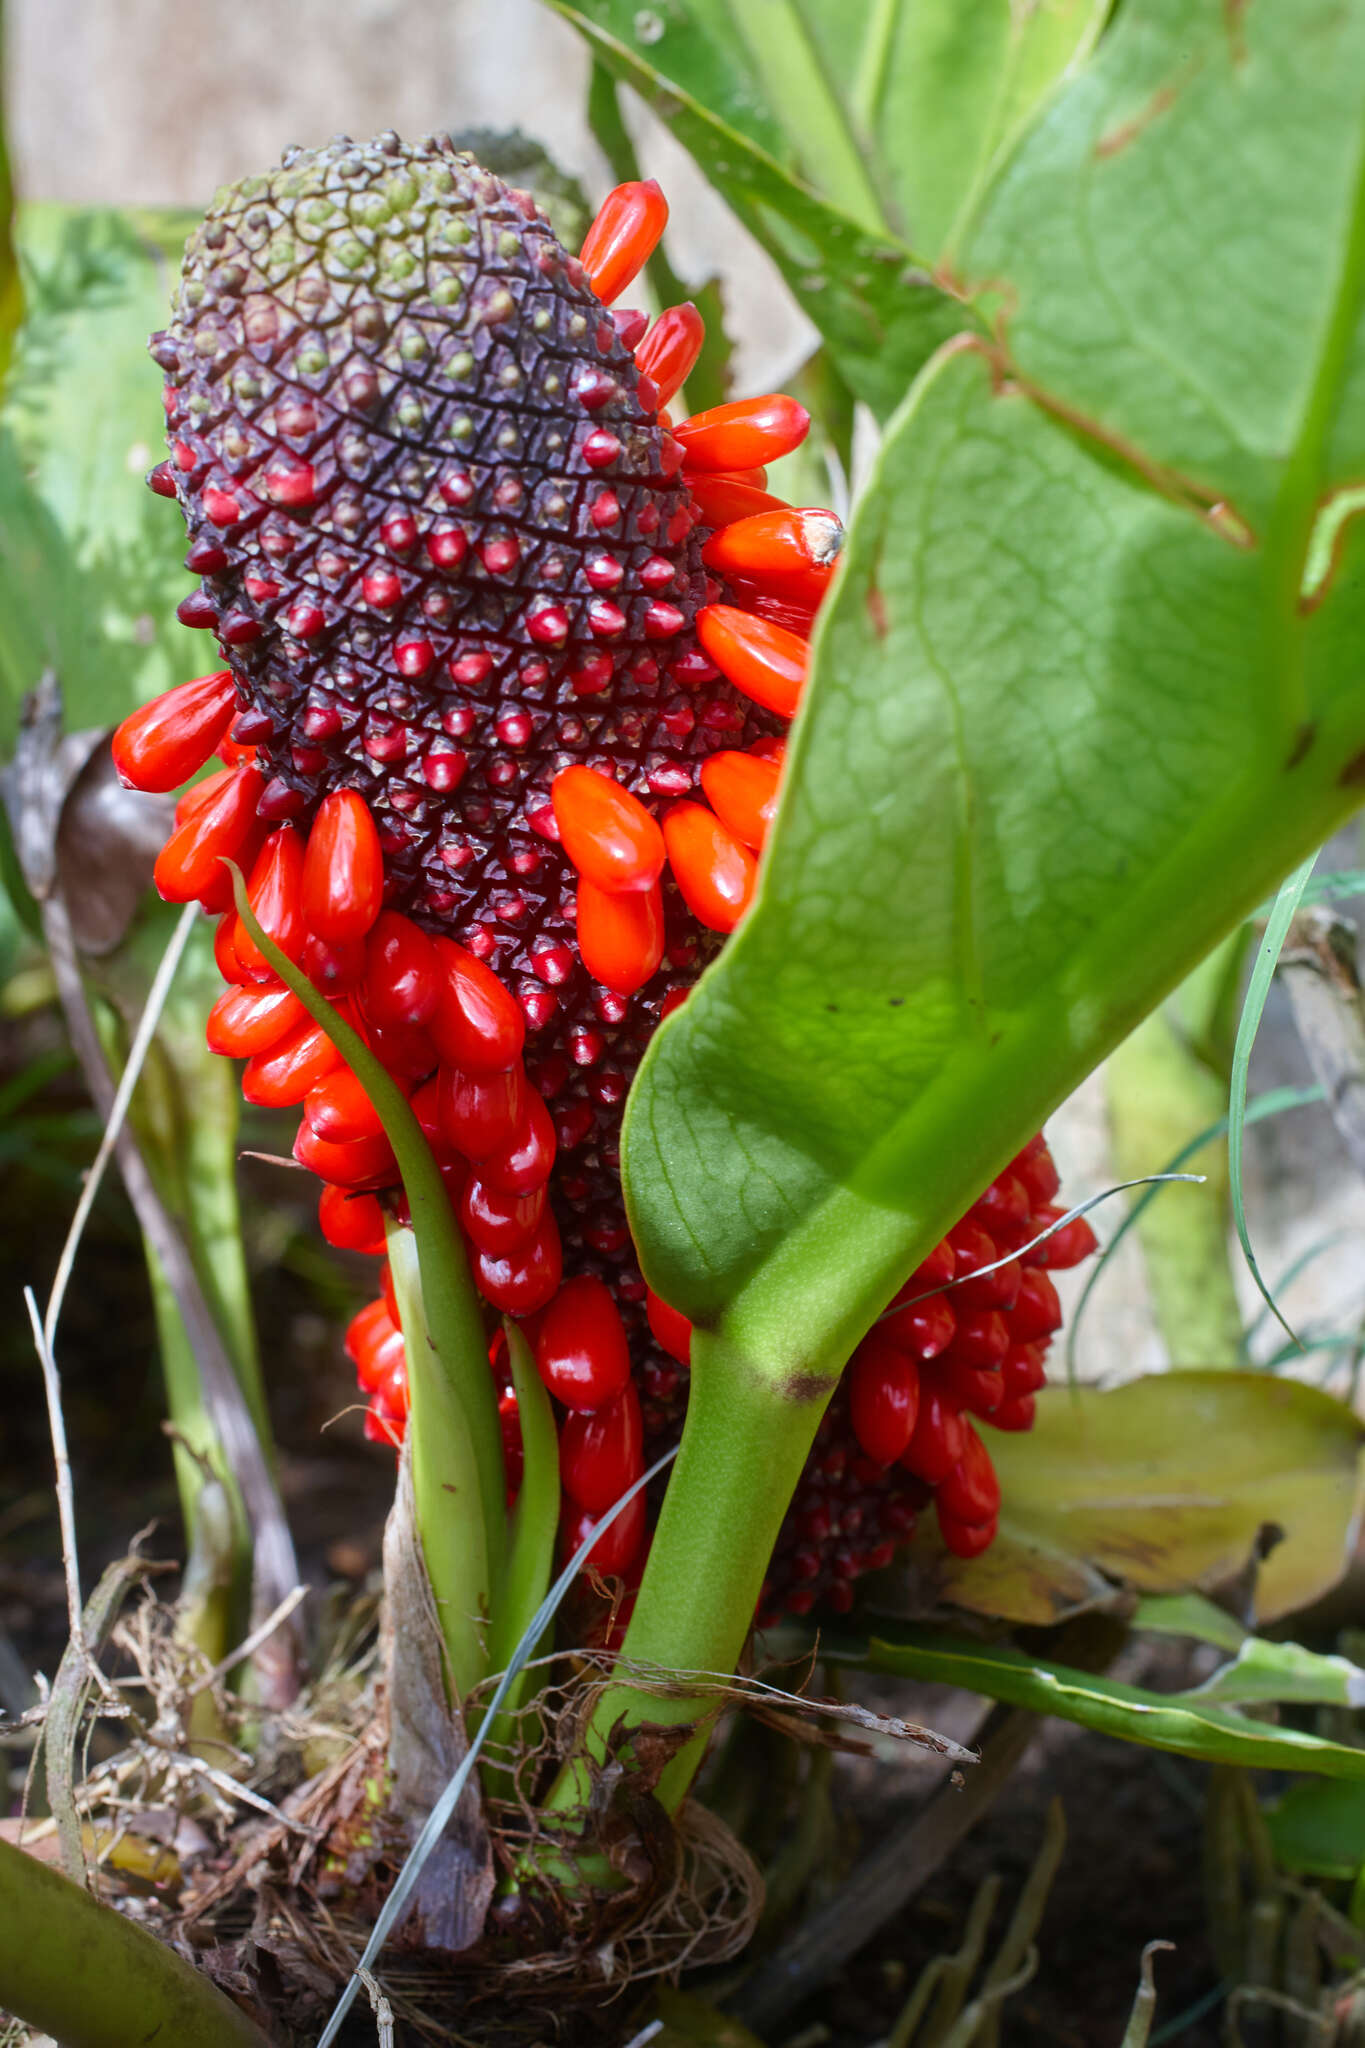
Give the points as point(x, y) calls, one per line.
point(745, 1440)
point(447, 1482)
point(77, 1970)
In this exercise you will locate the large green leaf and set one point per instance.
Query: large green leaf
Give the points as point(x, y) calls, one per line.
point(744, 89)
point(1319, 1830)
point(89, 561)
point(1165, 1485)
point(1179, 1722)
point(1064, 726)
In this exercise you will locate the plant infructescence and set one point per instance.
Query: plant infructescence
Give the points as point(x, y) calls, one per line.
point(508, 665)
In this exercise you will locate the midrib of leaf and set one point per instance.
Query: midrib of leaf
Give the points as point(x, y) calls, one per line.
point(810, 111)
point(874, 63)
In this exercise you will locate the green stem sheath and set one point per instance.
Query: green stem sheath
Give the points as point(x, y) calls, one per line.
point(745, 1441)
point(457, 1440)
point(446, 1478)
point(77, 1970)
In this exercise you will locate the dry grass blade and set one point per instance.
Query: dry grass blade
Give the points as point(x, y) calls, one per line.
point(1144, 2001)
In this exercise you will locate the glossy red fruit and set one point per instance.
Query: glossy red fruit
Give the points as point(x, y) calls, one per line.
point(403, 972)
point(250, 1020)
point(617, 1548)
point(1036, 1168)
point(381, 1428)
point(924, 1328)
point(742, 791)
point(715, 873)
point(974, 1390)
point(670, 1327)
point(353, 1223)
point(274, 892)
point(791, 553)
point(283, 1074)
point(722, 499)
point(623, 237)
point(934, 1272)
point(965, 1539)
point(981, 1340)
point(339, 1108)
point(225, 953)
point(1066, 1247)
point(368, 1329)
point(478, 1024)
point(1016, 1415)
point(500, 1224)
point(580, 1344)
point(602, 1450)
point(482, 1112)
point(1037, 1311)
point(620, 937)
point(358, 1163)
point(975, 1248)
point(334, 966)
point(668, 354)
point(1004, 1212)
point(404, 1050)
point(343, 871)
point(165, 742)
point(884, 1395)
point(766, 662)
point(191, 861)
point(970, 1492)
point(526, 1279)
point(939, 1438)
point(744, 434)
point(524, 1162)
point(607, 833)
point(1023, 1371)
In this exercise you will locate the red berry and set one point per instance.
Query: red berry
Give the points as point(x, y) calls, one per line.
point(478, 1024)
point(191, 861)
point(481, 1112)
point(285, 1072)
point(251, 1020)
point(745, 434)
point(339, 1108)
point(939, 1438)
point(358, 1163)
point(275, 895)
point(523, 1163)
point(343, 872)
point(970, 1492)
point(669, 351)
point(170, 739)
point(964, 1539)
point(742, 790)
point(354, 1223)
point(714, 871)
point(500, 1223)
point(1037, 1312)
point(617, 1548)
point(884, 1394)
point(601, 1451)
point(580, 1345)
point(522, 1281)
point(766, 662)
point(622, 238)
point(403, 972)
point(621, 937)
point(607, 833)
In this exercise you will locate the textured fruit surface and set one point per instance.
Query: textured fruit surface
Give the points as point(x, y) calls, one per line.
point(490, 699)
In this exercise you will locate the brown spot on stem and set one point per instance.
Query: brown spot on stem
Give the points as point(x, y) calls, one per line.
point(803, 1388)
point(876, 611)
point(1303, 740)
point(1354, 771)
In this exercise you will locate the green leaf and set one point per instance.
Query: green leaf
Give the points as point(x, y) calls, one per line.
point(1065, 723)
point(90, 569)
point(772, 136)
point(1164, 1485)
point(1285, 1673)
point(1189, 1614)
point(1318, 1830)
point(1212, 1734)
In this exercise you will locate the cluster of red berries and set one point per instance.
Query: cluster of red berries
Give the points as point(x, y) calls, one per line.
point(508, 661)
